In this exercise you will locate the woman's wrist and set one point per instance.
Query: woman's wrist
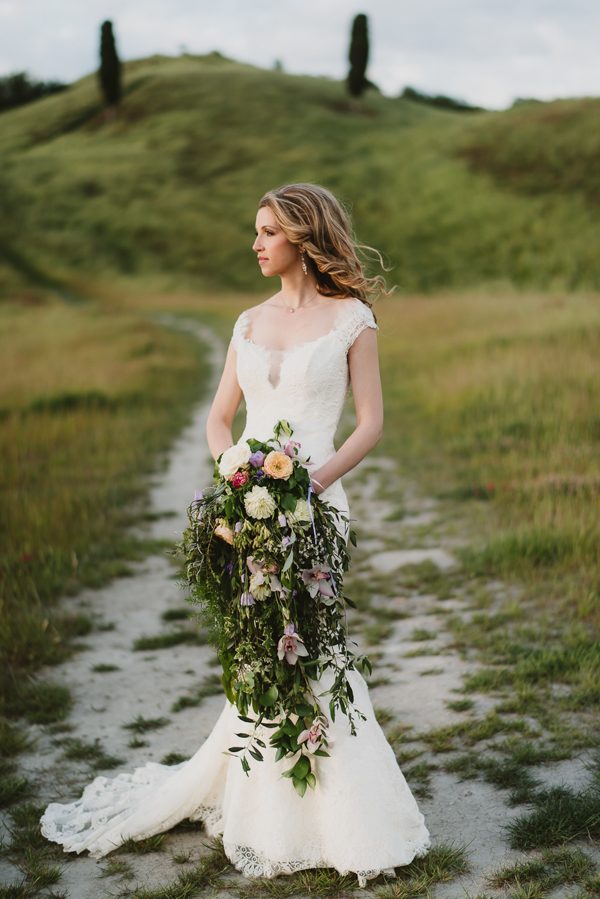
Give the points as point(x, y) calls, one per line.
point(313, 481)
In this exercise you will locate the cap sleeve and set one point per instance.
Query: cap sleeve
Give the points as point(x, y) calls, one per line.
point(239, 329)
point(360, 317)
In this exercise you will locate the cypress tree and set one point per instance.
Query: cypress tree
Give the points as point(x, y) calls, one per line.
point(358, 55)
point(110, 66)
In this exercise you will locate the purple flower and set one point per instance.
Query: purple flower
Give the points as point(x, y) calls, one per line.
point(238, 527)
point(256, 459)
point(282, 520)
point(229, 566)
point(285, 541)
point(246, 599)
point(259, 473)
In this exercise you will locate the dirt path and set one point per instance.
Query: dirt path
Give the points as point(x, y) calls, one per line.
point(413, 678)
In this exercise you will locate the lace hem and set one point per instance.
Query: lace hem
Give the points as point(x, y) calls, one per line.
point(254, 864)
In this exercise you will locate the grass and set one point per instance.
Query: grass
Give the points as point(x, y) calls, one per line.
point(558, 815)
point(210, 686)
point(166, 641)
point(493, 204)
point(38, 702)
point(206, 874)
point(80, 751)
point(173, 758)
point(35, 856)
point(141, 725)
point(421, 633)
point(176, 614)
point(552, 869)
point(12, 787)
point(90, 401)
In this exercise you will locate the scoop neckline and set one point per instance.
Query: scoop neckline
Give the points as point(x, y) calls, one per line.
point(297, 346)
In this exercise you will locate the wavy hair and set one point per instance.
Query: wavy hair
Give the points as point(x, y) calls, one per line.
point(311, 217)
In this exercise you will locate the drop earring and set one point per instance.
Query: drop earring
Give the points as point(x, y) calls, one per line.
point(304, 268)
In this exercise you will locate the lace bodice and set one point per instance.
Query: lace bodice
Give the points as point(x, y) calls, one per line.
point(306, 384)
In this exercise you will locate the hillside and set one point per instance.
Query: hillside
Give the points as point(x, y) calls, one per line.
point(166, 194)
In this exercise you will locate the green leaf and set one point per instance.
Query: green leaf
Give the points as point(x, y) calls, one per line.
point(311, 780)
point(235, 748)
point(242, 735)
point(302, 767)
point(270, 697)
point(256, 754)
point(280, 753)
point(288, 502)
point(321, 752)
point(299, 786)
point(303, 709)
point(288, 561)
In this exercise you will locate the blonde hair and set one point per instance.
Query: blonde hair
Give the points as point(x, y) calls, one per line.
point(311, 217)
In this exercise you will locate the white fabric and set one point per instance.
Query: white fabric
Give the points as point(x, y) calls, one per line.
point(361, 817)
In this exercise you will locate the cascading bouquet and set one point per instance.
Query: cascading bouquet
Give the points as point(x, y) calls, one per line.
point(264, 561)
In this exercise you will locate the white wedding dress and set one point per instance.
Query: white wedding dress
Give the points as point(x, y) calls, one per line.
point(361, 817)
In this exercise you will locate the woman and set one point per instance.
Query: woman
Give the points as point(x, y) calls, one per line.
point(291, 357)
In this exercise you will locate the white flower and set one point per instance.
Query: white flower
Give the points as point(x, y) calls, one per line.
point(233, 459)
point(259, 586)
point(259, 503)
point(300, 512)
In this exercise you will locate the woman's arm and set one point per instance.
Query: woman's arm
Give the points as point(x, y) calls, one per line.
point(224, 406)
point(363, 364)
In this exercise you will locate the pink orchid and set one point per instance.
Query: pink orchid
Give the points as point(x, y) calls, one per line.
point(313, 736)
point(289, 448)
point(265, 573)
point(291, 645)
point(317, 581)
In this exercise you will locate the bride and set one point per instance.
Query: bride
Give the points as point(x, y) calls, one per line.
point(292, 357)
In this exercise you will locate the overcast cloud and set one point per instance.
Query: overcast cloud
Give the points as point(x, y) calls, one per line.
point(487, 53)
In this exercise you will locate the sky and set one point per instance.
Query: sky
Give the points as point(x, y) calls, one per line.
point(486, 53)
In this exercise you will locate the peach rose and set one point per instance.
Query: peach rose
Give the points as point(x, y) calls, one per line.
point(278, 465)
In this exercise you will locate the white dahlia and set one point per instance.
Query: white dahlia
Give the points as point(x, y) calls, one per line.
point(259, 503)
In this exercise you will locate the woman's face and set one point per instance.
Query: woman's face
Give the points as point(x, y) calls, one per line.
point(276, 255)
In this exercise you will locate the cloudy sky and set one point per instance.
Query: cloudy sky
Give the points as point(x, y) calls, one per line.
point(484, 52)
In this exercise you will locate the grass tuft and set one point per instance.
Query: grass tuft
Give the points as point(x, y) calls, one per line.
point(142, 725)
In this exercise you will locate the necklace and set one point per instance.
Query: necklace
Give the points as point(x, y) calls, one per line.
point(291, 308)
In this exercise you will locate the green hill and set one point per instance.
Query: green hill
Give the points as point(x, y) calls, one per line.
point(166, 194)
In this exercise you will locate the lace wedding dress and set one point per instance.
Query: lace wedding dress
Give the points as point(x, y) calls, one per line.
point(361, 817)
